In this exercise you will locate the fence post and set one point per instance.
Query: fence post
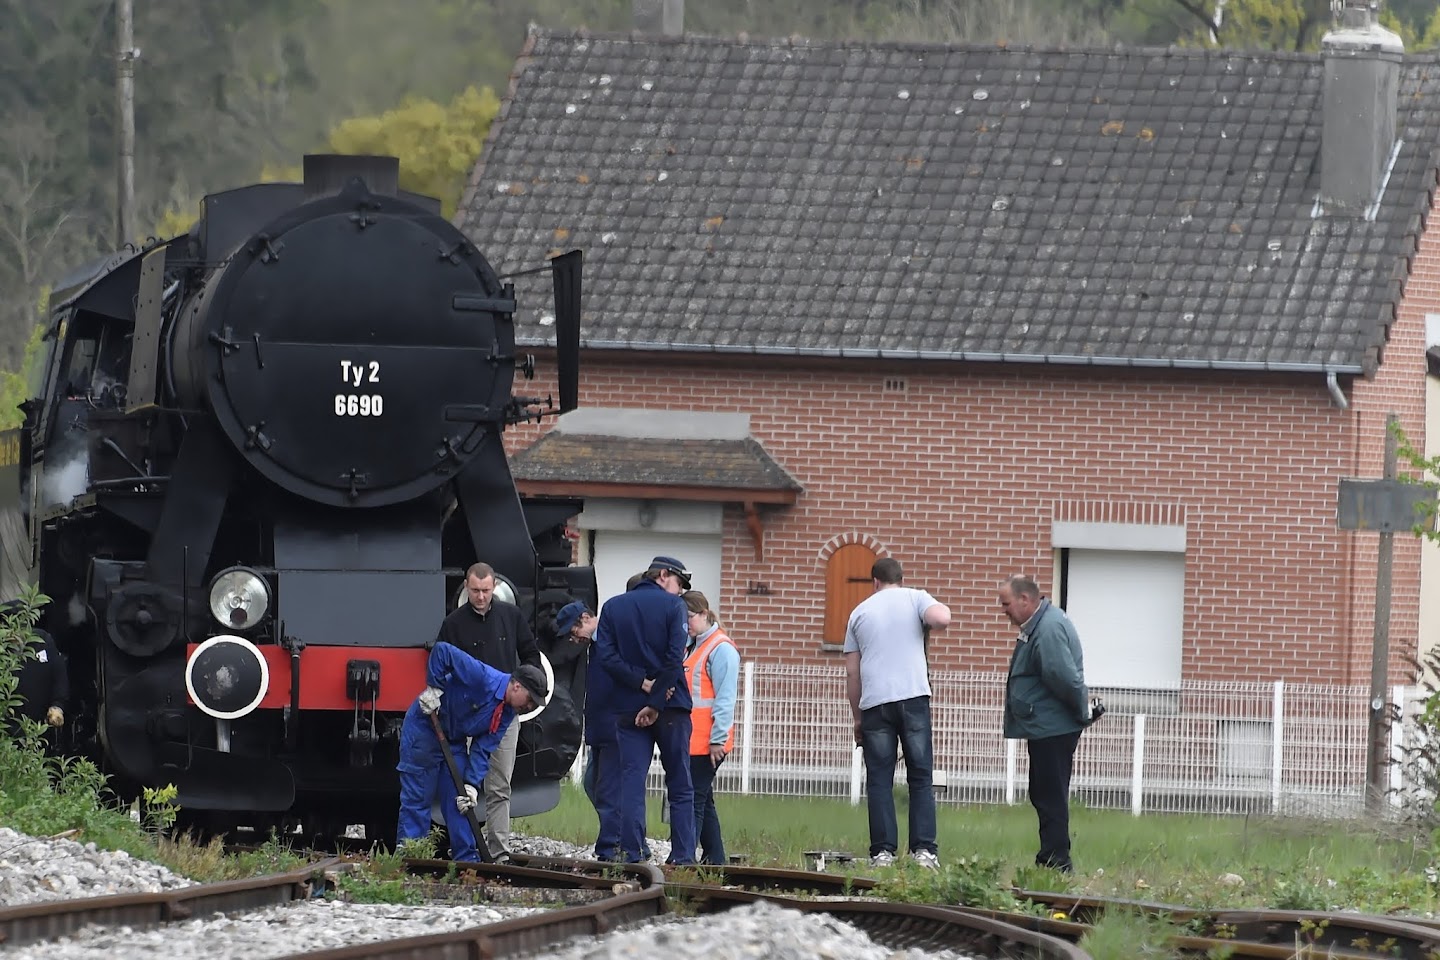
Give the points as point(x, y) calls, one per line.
point(1277, 745)
point(857, 764)
point(747, 745)
point(1010, 751)
point(1137, 767)
point(1397, 746)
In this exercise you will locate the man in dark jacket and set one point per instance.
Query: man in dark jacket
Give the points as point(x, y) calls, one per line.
point(473, 701)
point(43, 683)
point(640, 645)
point(1046, 705)
point(495, 633)
point(601, 777)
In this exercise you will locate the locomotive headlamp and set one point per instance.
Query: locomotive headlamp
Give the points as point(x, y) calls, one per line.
point(227, 677)
point(239, 598)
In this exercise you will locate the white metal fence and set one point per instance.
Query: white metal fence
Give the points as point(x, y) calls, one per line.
point(1207, 747)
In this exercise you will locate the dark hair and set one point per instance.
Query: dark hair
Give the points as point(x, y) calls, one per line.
point(886, 570)
point(634, 581)
point(480, 571)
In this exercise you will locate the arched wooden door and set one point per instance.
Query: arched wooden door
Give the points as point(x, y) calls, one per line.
point(847, 582)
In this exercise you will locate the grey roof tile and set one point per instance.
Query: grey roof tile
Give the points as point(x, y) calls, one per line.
point(845, 198)
point(740, 465)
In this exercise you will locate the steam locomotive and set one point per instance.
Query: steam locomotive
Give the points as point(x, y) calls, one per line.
point(256, 464)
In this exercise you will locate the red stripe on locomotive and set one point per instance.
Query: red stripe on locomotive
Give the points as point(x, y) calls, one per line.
point(322, 676)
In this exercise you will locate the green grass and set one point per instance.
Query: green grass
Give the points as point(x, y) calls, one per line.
point(1191, 860)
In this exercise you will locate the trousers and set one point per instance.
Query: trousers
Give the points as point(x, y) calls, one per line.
point(670, 734)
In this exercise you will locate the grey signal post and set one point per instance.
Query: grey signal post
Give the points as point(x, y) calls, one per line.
point(1385, 506)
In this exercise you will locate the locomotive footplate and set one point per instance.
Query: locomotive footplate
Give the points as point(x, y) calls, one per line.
point(214, 780)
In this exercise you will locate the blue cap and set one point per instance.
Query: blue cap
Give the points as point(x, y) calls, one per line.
point(568, 616)
point(674, 566)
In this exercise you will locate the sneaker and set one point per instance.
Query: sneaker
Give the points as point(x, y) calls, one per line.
point(926, 859)
point(883, 859)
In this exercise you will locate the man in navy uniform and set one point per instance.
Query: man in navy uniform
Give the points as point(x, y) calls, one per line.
point(640, 644)
point(473, 700)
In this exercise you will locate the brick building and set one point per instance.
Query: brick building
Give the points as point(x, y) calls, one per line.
point(1121, 320)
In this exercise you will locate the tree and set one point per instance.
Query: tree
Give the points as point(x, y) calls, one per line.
point(437, 145)
point(16, 388)
point(39, 233)
point(1038, 22)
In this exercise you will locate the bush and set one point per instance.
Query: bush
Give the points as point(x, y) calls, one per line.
point(41, 794)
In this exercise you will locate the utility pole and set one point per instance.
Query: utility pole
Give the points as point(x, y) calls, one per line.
point(1384, 506)
point(125, 57)
point(1379, 726)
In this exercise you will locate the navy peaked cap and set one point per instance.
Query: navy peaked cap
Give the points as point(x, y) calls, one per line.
point(674, 566)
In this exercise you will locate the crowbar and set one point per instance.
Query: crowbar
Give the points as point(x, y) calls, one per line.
point(481, 848)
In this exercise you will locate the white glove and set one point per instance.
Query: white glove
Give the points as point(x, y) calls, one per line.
point(467, 800)
point(430, 699)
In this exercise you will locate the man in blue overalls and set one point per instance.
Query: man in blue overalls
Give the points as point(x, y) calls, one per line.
point(473, 700)
point(640, 644)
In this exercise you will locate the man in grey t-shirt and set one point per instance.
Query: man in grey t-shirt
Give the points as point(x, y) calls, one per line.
point(889, 690)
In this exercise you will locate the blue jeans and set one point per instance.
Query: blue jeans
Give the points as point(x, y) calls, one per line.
point(707, 820)
point(882, 729)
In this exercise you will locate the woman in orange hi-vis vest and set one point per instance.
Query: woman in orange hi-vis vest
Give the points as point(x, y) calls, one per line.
point(712, 669)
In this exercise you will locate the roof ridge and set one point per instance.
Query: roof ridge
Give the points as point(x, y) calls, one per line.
point(841, 43)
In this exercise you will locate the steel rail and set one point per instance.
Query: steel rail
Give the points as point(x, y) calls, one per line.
point(32, 922)
point(523, 935)
point(901, 926)
point(1341, 933)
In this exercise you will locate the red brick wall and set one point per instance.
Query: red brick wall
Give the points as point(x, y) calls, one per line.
point(1399, 387)
point(958, 476)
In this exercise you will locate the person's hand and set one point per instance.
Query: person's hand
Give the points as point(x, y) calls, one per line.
point(648, 685)
point(859, 734)
point(717, 753)
point(669, 693)
point(55, 716)
point(646, 716)
point(466, 801)
point(430, 700)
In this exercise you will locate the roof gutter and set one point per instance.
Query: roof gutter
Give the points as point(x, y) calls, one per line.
point(1332, 381)
point(1331, 370)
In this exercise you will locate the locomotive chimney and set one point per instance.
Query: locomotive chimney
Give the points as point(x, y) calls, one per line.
point(1361, 88)
point(327, 173)
point(665, 17)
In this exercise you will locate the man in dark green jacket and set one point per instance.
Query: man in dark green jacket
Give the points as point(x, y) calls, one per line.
point(1046, 705)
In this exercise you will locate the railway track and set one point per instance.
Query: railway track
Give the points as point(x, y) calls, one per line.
point(596, 899)
point(51, 920)
point(1263, 933)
